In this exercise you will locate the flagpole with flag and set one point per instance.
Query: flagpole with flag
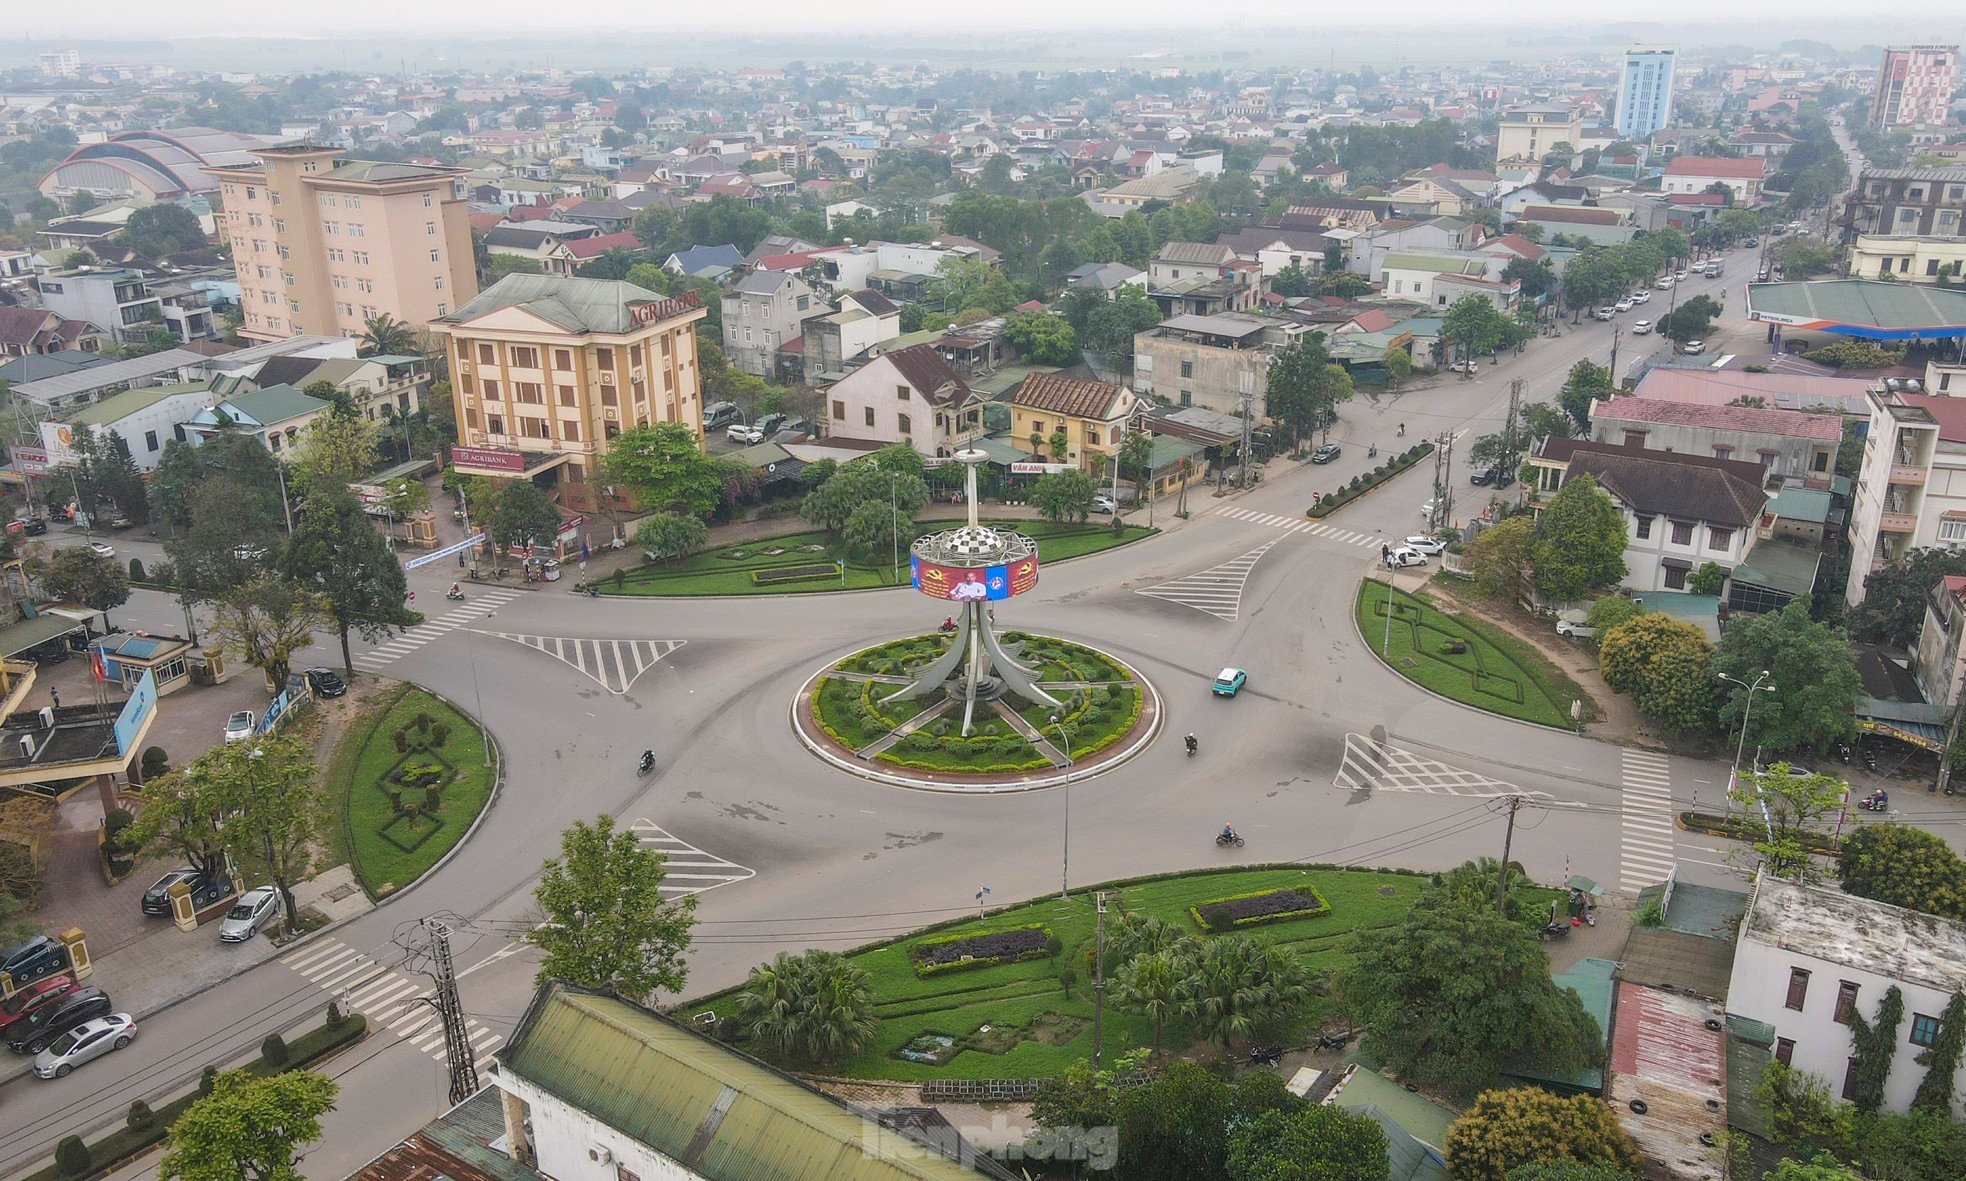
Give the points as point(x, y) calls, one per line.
point(979, 900)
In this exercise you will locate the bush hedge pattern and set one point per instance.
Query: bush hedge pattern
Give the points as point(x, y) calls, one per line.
point(1263, 906)
point(1360, 485)
point(954, 953)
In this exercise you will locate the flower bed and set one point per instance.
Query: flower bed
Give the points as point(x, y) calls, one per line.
point(1361, 485)
point(1263, 906)
point(955, 953)
point(793, 574)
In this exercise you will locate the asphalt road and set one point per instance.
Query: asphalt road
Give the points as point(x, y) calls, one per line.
point(836, 861)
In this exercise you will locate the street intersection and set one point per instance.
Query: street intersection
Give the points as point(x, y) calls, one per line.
point(1326, 757)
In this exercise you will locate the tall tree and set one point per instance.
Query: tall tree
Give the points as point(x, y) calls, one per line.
point(1787, 810)
point(1303, 388)
point(1664, 665)
point(665, 465)
point(521, 514)
point(1580, 541)
point(1813, 670)
point(1315, 1142)
point(814, 1008)
point(1150, 985)
point(1895, 594)
point(156, 230)
point(248, 1128)
point(74, 574)
point(1176, 1127)
point(1236, 986)
point(604, 922)
point(1499, 559)
point(266, 620)
point(337, 450)
point(385, 335)
point(1587, 382)
point(669, 537)
point(1521, 1125)
point(265, 788)
point(1475, 325)
point(338, 553)
point(1453, 995)
point(171, 484)
point(1063, 497)
point(1903, 866)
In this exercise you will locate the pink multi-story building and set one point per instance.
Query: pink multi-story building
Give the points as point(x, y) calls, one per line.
point(1914, 86)
point(322, 245)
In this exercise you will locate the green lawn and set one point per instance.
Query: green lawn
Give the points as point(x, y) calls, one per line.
point(388, 851)
point(722, 571)
point(1498, 672)
point(1035, 1030)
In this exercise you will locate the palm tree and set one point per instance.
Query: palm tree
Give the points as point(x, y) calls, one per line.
point(815, 1007)
point(1150, 985)
point(1237, 986)
point(385, 335)
point(1473, 883)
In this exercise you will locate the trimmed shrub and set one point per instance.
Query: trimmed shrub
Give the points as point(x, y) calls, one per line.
point(136, 570)
point(155, 762)
point(274, 1050)
point(335, 1016)
point(207, 1081)
point(140, 1116)
point(72, 1156)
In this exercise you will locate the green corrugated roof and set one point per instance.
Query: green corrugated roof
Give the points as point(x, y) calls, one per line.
point(1422, 1118)
point(1001, 450)
point(1449, 264)
point(1780, 565)
point(275, 403)
point(128, 402)
point(336, 370)
point(722, 1115)
point(1862, 303)
point(1810, 505)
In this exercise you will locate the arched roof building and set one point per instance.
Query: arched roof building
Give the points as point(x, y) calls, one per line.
point(151, 165)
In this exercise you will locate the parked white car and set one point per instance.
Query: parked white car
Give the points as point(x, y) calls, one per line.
point(1641, 296)
point(1623, 305)
point(1403, 557)
point(1424, 544)
point(1642, 328)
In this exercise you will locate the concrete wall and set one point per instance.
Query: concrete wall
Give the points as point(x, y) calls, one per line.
point(1216, 379)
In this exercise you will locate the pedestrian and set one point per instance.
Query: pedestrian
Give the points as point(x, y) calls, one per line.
point(1385, 552)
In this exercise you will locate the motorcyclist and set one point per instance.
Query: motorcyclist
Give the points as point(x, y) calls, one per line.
point(456, 592)
point(948, 623)
point(1228, 832)
point(1402, 430)
point(1192, 744)
point(648, 761)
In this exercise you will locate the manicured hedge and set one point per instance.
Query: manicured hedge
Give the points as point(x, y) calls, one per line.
point(1361, 485)
point(793, 574)
point(984, 948)
point(1263, 906)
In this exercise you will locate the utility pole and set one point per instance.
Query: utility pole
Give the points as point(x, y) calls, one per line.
point(1617, 331)
point(1098, 974)
point(435, 948)
point(1443, 486)
point(1513, 804)
point(1511, 460)
point(1248, 409)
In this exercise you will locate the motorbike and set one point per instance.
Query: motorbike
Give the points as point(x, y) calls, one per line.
point(455, 595)
point(1193, 746)
point(1265, 1055)
point(1877, 801)
point(1555, 930)
point(646, 764)
point(1372, 452)
point(1333, 1041)
point(1234, 838)
point(593, 592)
point(947, 625)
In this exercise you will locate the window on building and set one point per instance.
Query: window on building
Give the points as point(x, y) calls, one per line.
point(434, 256)
point(1924, 1030)
point(355, 230)
point(352, 202)
point(429, 227)
point(870, 415)
point(361, 258)
point(443, 309)
point(1187, 368)
point(1846, 1001)
point(1819, 462)
point(529, 392)
point(562, 359)
point(491, 389)
point(426, 200)
point(1953, 529)
point(1634, 438)
point(150, 440)
point(1785, 1050)
point(525, 357)
point(839, 410)
point(570, 430)
point(331, 227)
point(1850, 1080)
point(438, 282)
point(485, 355)
point(1682, 533)
point(566, 395)
point(1723, 451)
point(635, 355)
point(901, 393)
point(904, 424)
point(1718, 538)
point(1092, 436)
point(494, 424)
point(604, 360)
point(1675, 577)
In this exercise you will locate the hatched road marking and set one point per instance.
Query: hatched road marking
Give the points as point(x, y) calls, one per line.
point(614, 665)
point(1215, 591)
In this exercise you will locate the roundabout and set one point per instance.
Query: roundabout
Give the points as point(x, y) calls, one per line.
point(967, 709)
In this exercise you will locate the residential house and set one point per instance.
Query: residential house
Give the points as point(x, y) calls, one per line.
point(275, 415)
point(1214, 362)
point(1433, 196)
point(1202, 279)
point(1681, 511)
point(1911, 489)
point(1412, 275)
point(1275, 249)
point(1697, 174)
point(1090, 415)
point(1938, 662)
point(536, 241)
point(34, 332)
point(1770, 145)
point(1785, 444)
point(1108, 277)
point(910, 395)
point(1602, 227)
point(567, 258)
point(146, 417)
point(1368, 250)
point(1810, 956)
point(1907, 202)
point(1335, 177)
point(860, 320)
point(1174, 185)
point(380, 387)
point(547, 370)
point(1531, 131)
point(711, 261)
point(762, 313)
point(1543, 192)
point(595, 1088)
point(1910, 259)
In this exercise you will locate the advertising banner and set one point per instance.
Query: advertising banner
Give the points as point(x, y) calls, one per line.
point(488, 459)
point(968, 584)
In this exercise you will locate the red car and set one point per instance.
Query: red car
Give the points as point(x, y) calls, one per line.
point(33, 996)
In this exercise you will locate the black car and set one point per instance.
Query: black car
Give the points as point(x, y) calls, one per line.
point(1325, 454)
point(325, 682)
point(32, 1033)
point(1482, 475)
point(34, 526)
point(34, 958)
point(157, 899)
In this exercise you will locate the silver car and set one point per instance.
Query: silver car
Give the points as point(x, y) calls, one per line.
point(255, 909)
point(91, 1039)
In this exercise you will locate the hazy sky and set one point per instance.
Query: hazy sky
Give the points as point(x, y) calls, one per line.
point(1776, 19)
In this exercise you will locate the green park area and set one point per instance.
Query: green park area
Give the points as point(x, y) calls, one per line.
point(800, 563)
point(410, 777)
point(1465, 659)
point(983, 998)
point(1101, 704)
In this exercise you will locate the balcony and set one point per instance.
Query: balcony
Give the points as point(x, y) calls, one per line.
point(1907, 474)
point(1897, 523)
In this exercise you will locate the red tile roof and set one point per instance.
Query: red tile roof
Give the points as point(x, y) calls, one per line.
point(1518, 245)
point(924, 369)
point(1949, 413)
point(1069, 396)
point(600, 244)
point(1759, 420)
point(1715, 166)
point(1574, 214)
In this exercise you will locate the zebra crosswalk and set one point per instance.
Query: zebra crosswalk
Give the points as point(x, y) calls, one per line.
point(690, 870)
point(613, 664)
point(389, 999)
point(480, 604)
point(1301, 525)
point(1648, 846)
point(1215, 591)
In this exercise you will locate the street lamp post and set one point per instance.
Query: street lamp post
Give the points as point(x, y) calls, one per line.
point(1065, 858)
point(1741, 745)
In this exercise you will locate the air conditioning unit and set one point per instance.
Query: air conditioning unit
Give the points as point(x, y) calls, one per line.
point(48, 716)
point(27, 746)
point(601, 1154)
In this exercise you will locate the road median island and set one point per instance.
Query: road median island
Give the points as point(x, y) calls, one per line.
point(1360, 485)
point(407, 781)
point(1464, 659)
